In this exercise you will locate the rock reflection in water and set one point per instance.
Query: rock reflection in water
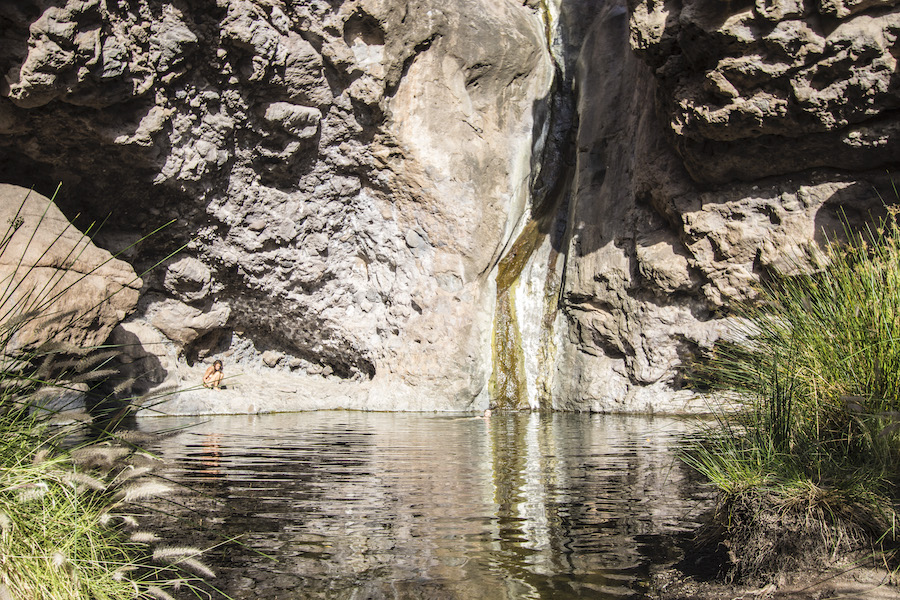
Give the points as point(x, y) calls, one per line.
point(381, 505)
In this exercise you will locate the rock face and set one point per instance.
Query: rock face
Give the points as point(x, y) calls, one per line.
point(737, 80)
point(780, 115)
point(421, 205)
point(344, 174)
point(56, 285)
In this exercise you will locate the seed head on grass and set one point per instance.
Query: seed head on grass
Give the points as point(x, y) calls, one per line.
point(121, 573)
point(98, 456)
point(32, 491)
point(144, 537)
point(123, 386)
point(94, 359)
point(157, 592)
point(142, 490)
point(81, 480)
point(184, 557)
point(197, 567)
point(177, 584)
point(136, 437)
point(131, 472)
point(170, 553)
point(107, 518)
point(58, 559)
point(92, 376)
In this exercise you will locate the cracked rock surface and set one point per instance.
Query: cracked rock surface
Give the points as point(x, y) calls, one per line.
point(719, 143)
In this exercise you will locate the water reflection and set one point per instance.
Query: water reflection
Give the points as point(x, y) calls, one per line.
point(377, 505)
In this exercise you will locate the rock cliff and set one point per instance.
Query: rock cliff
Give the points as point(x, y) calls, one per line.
point(424, 205)
point(719, 143)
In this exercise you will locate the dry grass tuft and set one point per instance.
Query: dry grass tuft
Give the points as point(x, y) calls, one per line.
point(197, 567)
point(143, 490)
point(169, 553)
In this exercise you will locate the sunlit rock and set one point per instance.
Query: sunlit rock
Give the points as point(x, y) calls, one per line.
point(409, 202)
point(55, 285)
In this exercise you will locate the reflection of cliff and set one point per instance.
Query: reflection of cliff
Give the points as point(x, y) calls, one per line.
point(356, 181)
point(376, 504)
point(560, 491)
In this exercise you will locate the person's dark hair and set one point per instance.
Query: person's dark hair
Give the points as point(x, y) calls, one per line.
point(218, 362)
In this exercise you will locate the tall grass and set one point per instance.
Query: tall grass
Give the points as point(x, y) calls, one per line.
point(66, 528)
point(58, 540)
point(67, 525)
point(815, 371)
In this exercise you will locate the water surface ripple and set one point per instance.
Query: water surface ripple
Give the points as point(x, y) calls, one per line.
point(350, 505)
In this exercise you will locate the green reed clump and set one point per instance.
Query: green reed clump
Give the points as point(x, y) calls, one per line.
point(815, 426)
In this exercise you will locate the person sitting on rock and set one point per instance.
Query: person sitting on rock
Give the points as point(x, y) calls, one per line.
point(213, 376)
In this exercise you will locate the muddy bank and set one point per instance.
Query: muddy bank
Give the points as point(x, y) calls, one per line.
point(862, 582)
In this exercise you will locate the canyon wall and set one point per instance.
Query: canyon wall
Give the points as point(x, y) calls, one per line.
point(436, 206)
point(719, 143)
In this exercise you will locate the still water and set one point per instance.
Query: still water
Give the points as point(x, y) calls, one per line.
point(352, 505)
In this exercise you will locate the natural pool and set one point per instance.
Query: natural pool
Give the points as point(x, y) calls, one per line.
point(355, 505)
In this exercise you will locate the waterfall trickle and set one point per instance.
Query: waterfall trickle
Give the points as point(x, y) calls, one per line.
point(509, 375)
point(529, 272)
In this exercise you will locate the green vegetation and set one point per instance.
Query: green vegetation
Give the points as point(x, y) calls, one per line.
point(66, 527)
point(808, 463)
point(60, 538)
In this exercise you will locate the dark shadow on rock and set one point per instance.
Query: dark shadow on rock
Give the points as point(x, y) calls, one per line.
point(857, 206)
point(15, 18)
point(325, 349)
point(212, 342)
point(140, 369)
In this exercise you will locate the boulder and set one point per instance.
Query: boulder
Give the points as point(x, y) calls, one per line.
point(57, 286)
point(183, 323)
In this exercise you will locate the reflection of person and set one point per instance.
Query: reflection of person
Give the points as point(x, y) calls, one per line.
point(213, 376)
point(211, 453)
point(487, 419)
